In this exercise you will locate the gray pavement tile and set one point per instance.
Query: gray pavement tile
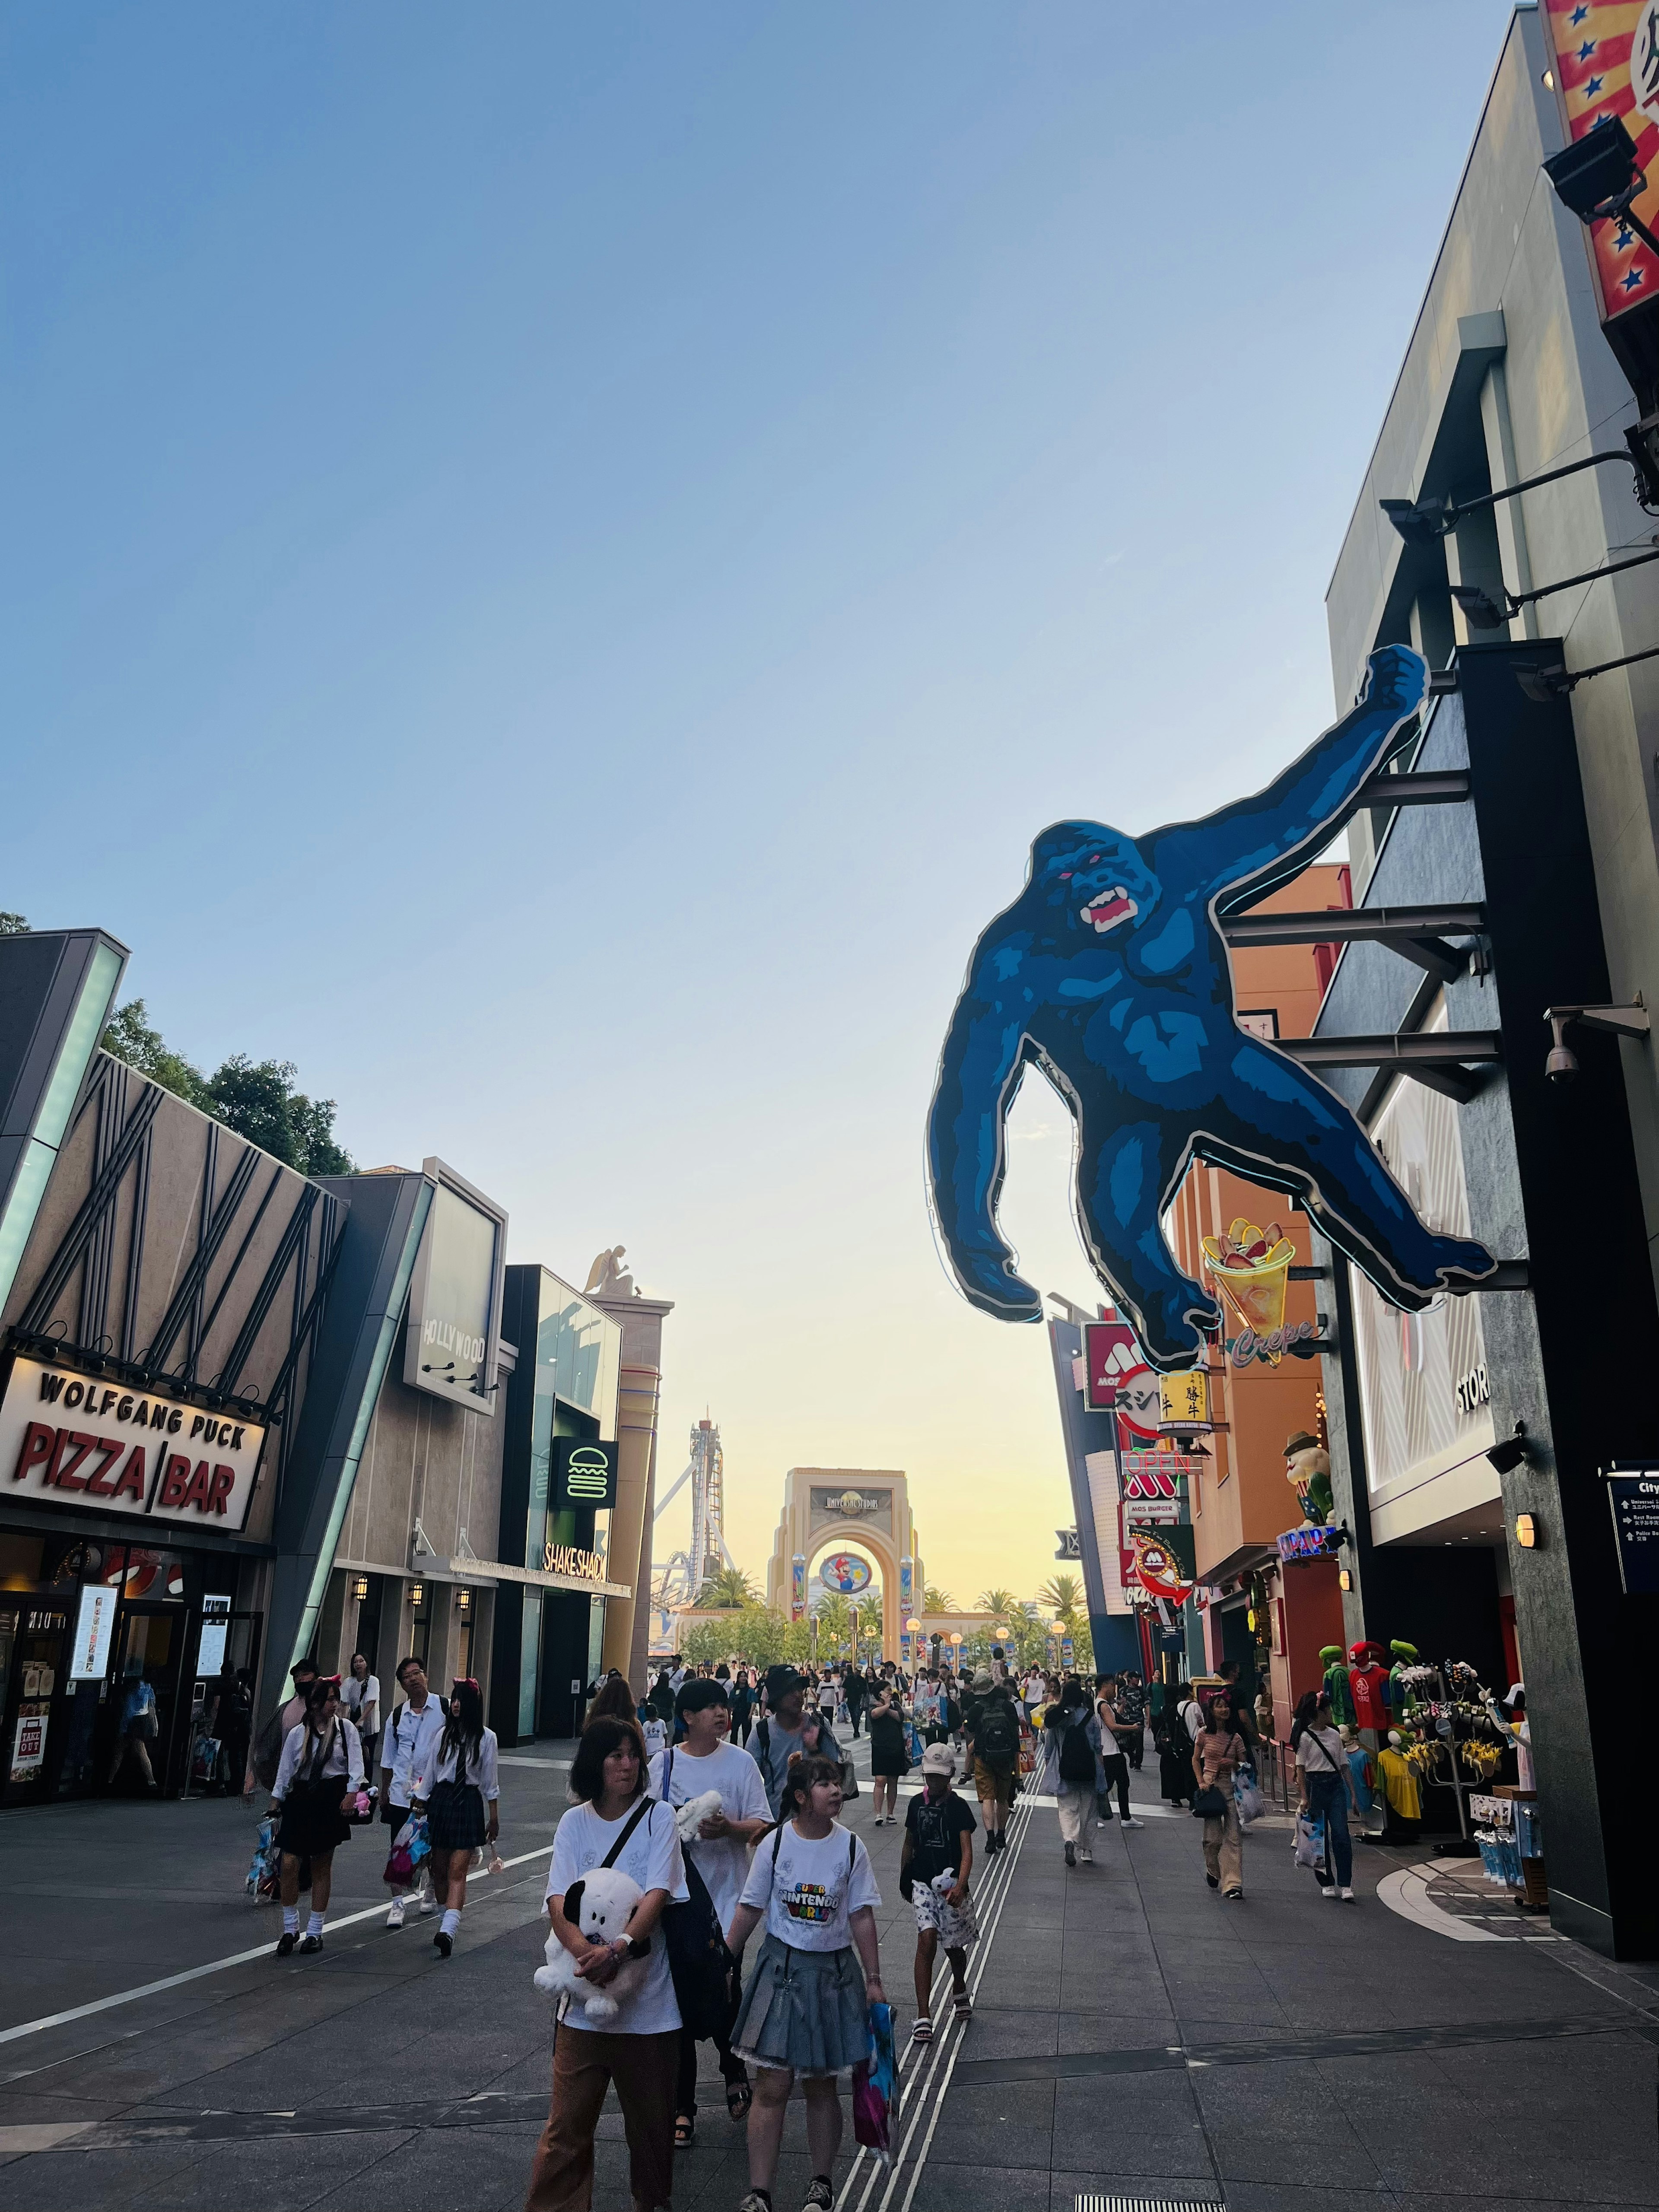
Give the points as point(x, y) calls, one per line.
point(950, 2187)
point(74, 2181)
point(279, 2175)
point(994, 2033)
point(1294, 2195)
point(1134, 2179)
point(1115, 2031)
point(1266, 2122)
point(1148, 2127)
point(486, 2167)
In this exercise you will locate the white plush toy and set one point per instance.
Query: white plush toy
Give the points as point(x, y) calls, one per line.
point(690, 1816)
point(599, 1905)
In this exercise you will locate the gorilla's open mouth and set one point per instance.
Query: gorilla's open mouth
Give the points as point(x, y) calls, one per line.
point(1109, 909)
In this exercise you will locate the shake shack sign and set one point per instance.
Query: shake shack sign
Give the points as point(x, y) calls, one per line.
point(69, 1439)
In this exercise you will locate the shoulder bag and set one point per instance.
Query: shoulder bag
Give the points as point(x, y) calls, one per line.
point(706, 1986)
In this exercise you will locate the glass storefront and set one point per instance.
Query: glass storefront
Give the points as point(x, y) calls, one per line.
point(110, 1654)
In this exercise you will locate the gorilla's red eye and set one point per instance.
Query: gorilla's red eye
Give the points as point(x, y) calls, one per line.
point(1065, 875)
point(1093, 857)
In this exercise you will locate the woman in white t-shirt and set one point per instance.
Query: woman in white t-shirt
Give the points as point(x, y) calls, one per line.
point(639, 2051)
point(703, 1761)
point(804, 2010)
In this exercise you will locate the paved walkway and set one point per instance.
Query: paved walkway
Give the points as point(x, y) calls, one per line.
point(1136, 2041)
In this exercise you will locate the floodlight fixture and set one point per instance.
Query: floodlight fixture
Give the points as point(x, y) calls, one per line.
point(1506, 1455)
point(1480, 610)
point(1550, 682)
point(1597, 176)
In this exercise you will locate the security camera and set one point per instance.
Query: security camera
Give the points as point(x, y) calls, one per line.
point(1629, 1021)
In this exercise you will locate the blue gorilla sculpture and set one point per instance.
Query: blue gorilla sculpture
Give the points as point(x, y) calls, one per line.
point(1109, 972)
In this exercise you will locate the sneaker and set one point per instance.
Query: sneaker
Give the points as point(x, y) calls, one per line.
point(1133, 1823)
point(1214, 1881)
point(442, 1944)
point(1102, 1824)
point(1233, 1896)
point(1347, 1897)
point(309, 1945)
point(427, 1905)
point(285, 1943)
point(1085, 1858)
point(1332, 1891)
point(395, 1917)
point(821, 2196)
point(758, 2200)
point(1071, 1854)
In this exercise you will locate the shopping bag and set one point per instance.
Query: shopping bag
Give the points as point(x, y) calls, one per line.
point(419, 1846)
point(1248, 1798)
point(261, 1881)
point(876, 2088)
point(205, 1760)
point(399, 1869)
point(1309, 1843)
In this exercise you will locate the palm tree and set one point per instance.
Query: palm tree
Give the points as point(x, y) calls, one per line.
point(935, 1600)
point(1000, 1604)
point(729, 1591)
point(1063, 1596)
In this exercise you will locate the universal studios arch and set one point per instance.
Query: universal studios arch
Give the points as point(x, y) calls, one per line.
point(863, 1509)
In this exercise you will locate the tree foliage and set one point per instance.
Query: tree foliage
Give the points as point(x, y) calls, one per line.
point(13, 925)
point(728, 1591)
point(935, 1600)
point(257, 1099)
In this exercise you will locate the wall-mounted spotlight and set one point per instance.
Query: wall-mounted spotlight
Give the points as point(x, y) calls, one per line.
point(463, 1600)
point(1526, 1532)
point(360, 1588)
point(1631, 1021)
point(1508, 1454)
point(417, 1594)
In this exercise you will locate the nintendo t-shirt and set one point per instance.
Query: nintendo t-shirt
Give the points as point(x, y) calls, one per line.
point(811, 1889)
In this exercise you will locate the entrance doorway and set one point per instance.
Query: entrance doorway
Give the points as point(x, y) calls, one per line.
point(142, 1713)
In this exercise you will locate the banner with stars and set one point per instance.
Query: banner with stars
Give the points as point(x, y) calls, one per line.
point(1607, 63)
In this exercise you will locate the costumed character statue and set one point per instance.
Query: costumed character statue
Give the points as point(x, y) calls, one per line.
point(1336, 1682)
point(1308, 1471)
point(1109, 972)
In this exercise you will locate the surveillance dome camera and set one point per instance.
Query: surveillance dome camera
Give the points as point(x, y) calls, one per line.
point(1562, 1065)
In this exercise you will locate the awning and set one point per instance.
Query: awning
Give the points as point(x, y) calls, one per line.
point(483, 1572)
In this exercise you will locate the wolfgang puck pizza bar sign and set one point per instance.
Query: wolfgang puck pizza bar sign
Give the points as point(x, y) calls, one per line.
point(71, 1439)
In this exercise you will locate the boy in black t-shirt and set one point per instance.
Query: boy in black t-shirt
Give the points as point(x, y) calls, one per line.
point(934, 1871)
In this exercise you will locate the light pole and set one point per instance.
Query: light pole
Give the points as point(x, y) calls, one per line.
point(912, 1630)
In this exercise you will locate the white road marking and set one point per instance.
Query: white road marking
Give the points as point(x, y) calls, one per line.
point(219, 1966)
point(1407, 1893)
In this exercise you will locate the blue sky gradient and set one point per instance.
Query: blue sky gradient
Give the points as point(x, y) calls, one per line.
point(558, 558)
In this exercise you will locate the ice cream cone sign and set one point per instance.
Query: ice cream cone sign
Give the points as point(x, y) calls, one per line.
point(1251, 1267)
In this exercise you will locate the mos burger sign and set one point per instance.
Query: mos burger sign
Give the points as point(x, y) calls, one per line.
point(71, 1439)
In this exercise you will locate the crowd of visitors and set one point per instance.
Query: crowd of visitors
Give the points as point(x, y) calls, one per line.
point(721, 1795)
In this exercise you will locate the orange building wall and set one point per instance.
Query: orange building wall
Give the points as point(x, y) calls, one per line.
point(1241, 1500)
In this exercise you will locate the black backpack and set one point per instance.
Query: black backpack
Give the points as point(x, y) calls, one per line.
point(1077, 1754)
point(996, 1737)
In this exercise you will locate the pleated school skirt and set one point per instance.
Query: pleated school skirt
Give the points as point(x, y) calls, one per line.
point(455, 1818)
point(806, 2010)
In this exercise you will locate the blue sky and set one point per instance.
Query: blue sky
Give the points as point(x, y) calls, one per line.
point(557, 558)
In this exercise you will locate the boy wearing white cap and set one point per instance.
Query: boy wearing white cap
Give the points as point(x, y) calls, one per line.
point(933, 1870)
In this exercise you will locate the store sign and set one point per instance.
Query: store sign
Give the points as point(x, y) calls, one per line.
point(1109, 1353)
point(455, 1299)
point(1634, 1500)
point(76, 1441)
point(584, 1473)
point(1308, 1543)
point(1108, 972)
point(845, 1573)
point(93, 1626)
point(566, 1559)
point(1161, 1560)
point(1184, 1407)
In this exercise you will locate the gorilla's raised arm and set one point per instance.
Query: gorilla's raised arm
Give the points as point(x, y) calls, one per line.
point(978, 1071)
point(1261, 838)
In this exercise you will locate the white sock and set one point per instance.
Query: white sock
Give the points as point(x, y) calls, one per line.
point(314, 1925)
point(290, 1920)
point(452, 1921)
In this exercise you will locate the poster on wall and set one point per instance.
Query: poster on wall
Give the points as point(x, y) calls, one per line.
point(1605, 64)
point(29, 1742)
point(94, 1624)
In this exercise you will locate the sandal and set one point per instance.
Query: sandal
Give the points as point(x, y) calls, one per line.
point(685, 2129)
point(739, 2097)
point(923, 2031)
point(963, 2005)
